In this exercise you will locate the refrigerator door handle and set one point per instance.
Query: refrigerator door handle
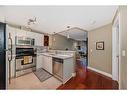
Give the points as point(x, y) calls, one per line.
point(10, 49)
point(10, 59)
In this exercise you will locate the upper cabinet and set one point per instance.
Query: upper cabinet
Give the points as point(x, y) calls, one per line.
point(30, 34)
point(39, 38)
point(21, 33)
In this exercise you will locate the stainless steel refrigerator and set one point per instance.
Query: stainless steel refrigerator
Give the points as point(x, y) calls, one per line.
point(5, 59)
point(2, 56)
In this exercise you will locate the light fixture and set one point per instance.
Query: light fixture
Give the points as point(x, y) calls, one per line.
point(68, 36)
point(92, 22)
point(68, 26)
point(32, 21)
point(54, 36)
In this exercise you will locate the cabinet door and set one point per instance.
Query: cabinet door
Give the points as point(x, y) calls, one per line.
point(39, 39)
point(42, 40)
point(11, 30)
point(44, 62)
point(36, 39)
point(20, 33)
point(39, 62)
point(31, 34)
point(48, 64)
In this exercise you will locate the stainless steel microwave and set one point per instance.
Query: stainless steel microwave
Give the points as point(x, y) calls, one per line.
point(24, 41)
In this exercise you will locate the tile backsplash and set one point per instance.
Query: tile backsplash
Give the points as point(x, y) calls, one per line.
point(41, 49)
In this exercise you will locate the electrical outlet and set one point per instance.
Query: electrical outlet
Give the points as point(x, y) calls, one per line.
point(123, 53)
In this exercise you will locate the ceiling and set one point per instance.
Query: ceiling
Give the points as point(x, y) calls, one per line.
point(75, 33)
point(52, 19)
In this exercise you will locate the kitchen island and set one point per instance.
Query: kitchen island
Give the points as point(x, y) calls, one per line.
point(61, 66)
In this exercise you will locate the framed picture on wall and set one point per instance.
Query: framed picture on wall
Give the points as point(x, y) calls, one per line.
point(100, 45)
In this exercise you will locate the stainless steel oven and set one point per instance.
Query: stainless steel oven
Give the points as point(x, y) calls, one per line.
point(24, 41)
point(25, 61)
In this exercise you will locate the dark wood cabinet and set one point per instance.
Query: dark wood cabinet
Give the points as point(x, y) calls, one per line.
point(46, 40)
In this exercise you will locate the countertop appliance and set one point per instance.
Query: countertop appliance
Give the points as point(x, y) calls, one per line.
point(25, 61)
point(25, 41)
point(58, 68)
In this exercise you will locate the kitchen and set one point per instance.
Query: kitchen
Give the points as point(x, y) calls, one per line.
point(28, 52)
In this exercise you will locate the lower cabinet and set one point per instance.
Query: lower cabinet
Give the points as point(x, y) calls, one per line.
point(39, 62)
point(47, 63)
point(44, 62)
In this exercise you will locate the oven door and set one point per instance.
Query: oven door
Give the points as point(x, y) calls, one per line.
point(24, 62)
point(24, 68)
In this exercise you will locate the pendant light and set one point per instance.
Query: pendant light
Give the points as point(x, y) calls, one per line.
point(54, 36)
point(68, 36)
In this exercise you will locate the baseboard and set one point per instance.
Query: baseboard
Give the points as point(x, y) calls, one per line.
point(73, 75)
point(101, 72)
point(66, 80)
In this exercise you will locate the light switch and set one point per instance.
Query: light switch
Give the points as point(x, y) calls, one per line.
point(123, 53)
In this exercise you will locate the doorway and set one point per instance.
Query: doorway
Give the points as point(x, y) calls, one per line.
point(115, 50)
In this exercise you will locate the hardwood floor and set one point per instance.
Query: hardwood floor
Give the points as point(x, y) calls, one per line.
point(88, 79)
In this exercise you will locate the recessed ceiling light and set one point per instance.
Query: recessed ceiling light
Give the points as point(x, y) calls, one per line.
point(92, 22)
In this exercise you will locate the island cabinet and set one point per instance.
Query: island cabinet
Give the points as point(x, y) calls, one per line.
point(67, 70)
point(59, 65)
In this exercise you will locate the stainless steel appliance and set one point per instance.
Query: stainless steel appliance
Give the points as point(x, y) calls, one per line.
point(58, 68)
point(25, 61)
point(25, 41)
point(2, 56)
point(4, 50)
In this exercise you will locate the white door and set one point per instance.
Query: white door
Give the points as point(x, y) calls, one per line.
point(115, 50)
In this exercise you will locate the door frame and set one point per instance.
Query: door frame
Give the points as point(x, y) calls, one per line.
point(115, 23)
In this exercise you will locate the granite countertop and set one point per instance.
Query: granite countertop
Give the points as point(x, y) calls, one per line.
point(61, 56)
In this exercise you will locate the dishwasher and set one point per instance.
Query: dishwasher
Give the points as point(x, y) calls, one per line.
point(58, 68)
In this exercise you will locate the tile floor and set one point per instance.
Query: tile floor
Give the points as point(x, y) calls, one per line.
point(30, 81)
